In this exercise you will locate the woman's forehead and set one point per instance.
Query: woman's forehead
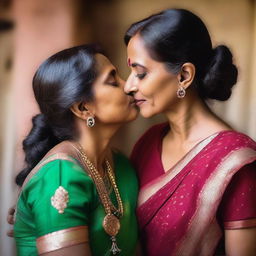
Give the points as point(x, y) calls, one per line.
point(104, 66)
point(137, 50)
point(103, 62)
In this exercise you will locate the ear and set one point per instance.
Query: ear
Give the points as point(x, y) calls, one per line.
point(186, 75)
point(81, 110)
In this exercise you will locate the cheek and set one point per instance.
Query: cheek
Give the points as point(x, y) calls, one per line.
point(111, 98)
point(160, 87)
point(165, 99)
point(161, 95)
point(168, 90)
point(112, 107)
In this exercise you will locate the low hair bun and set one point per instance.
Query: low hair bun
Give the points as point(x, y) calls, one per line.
point(40, 134)
point(36, 145)
point(220, 76)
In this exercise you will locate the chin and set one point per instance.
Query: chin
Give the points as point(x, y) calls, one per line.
point(147, 114)
point(133, 116)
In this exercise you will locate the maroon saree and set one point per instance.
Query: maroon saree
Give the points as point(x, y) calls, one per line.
point(177, 209)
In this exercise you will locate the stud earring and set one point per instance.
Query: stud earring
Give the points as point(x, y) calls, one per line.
point(90, 121)
point(181, 92)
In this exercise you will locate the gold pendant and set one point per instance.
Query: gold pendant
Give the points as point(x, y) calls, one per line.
point(111, 224)
point(114, 248)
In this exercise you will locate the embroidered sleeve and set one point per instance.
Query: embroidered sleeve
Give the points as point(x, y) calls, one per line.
point(60, 199)
point(238, 206)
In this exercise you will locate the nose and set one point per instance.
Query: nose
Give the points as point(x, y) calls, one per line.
point(129, 87)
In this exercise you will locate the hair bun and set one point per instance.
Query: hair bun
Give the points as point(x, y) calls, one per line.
point(36, 145)
point(220, 76)
point(38, 137)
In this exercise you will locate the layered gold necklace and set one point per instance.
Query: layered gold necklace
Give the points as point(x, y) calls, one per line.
point(110, 223)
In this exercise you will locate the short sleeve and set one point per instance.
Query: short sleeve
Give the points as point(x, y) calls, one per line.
point(238, 205)
point(60, 197)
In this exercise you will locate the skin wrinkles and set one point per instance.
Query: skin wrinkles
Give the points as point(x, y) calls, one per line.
point(156, 86)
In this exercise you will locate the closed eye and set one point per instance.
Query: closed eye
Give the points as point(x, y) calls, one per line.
point(111, 79)
point(141, 75)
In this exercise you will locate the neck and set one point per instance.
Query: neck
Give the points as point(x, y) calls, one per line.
point(95, 142)
point(188, 118)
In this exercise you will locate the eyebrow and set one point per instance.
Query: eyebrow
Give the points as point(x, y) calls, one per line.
point(135, 64)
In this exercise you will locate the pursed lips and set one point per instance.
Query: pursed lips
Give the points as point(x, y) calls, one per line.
point(139, 101)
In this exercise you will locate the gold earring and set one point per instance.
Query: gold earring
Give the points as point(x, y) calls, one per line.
point(181, 92)
point(90, 121)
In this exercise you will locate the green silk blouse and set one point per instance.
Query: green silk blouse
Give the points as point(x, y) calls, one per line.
point(37, 217)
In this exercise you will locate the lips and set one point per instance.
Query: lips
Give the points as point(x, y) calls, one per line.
point(138, 102)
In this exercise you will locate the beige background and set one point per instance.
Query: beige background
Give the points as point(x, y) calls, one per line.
point(45, 26)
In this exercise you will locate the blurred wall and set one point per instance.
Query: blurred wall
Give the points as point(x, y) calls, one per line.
point(43, 27)
point(252, 84)
point(6, 185)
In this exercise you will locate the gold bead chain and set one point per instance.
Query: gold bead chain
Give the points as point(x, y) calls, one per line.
point(113, 183)
point(100, 185)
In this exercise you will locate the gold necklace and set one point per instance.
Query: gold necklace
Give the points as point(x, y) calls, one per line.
point(111, 223)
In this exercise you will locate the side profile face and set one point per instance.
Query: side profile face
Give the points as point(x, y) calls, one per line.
point(111, 105)
point(153, 86)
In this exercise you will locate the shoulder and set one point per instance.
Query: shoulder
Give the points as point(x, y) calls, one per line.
point(234, 139)
point(60, 163)
point(232, 134)
point(53, 175)
point(57, 168)
point(230, 150)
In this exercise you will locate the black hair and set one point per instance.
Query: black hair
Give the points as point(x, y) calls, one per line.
point(176, 36)
point(62, 80)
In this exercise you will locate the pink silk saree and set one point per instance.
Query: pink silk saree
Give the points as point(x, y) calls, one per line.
point(177, 210)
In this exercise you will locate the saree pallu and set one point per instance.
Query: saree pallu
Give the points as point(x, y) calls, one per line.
point(177, 212)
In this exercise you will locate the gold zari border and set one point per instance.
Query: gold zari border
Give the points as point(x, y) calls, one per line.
point(149, 190)
point(238, 224)
point(195, 238)
point(62, 238)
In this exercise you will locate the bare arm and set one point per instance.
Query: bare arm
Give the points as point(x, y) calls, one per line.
point(240, 242)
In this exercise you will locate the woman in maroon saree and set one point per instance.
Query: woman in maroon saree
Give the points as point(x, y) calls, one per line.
point(197, 175)
point(183, 211)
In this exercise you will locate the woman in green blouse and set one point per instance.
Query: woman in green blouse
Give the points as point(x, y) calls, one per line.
point(78, 197)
